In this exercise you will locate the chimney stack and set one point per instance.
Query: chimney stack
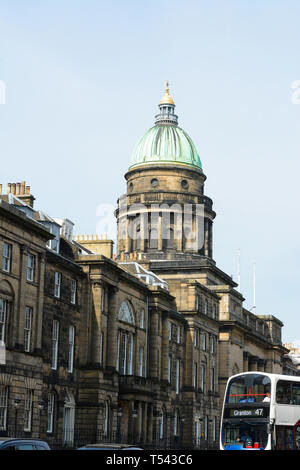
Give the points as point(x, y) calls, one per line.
point(21, 191)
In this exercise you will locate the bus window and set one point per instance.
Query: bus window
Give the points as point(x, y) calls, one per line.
point(297, 436)
point(284, 392)
point(296, 393)
point(248, 388)
point(284, 438)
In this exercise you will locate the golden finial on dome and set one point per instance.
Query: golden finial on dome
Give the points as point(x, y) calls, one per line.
point(166, 99)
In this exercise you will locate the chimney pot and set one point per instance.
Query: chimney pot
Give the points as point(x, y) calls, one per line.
point(23, 183)
point(27, 189)
point(8, 188)
point(18, 188)
point(14, 188)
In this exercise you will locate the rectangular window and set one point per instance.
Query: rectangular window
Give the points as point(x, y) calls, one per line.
point(175, 423)
point(178, 334)
point(206, 428)
point(3, 407)
point(177, 376)
point(141, 361)
point(71, 348)
point(212, 345)
point(57, 285)
point(195, 338)
point(215, 429)
point(123, 354)
point(158, 364)
point(195, 375)
point(130, 355)
point(169, 368)
point(203, 372)
point(30, 268)
point(50, 412)
point(142, 316)
point(101, 347)
point(6, 260)
point(118, 354)
point(3, 318)
point(27, 328)
point(170, 330)
point(28, 410)
point(212, 379)
point(55, 333)
point(73, 291)
point(204, 342)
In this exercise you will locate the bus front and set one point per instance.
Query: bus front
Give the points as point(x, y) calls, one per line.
point(246, 413)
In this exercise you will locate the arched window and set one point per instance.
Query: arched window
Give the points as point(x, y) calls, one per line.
point(69, 419)
point(126, 313)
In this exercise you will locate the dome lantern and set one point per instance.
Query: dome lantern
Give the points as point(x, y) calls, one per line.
point(166, 106)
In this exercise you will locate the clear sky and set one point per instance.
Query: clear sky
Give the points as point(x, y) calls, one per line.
point(83, 79)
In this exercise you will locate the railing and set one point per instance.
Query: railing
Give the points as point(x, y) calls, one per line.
point(80, 438)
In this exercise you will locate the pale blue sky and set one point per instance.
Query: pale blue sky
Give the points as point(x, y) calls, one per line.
point(83, 80)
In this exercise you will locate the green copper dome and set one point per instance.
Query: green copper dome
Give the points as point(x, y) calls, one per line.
point(166, 142)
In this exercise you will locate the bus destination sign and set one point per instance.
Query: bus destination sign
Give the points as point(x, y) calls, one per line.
point(247, 412)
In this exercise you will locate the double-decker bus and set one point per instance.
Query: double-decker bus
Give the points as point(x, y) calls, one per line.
point(261, 411)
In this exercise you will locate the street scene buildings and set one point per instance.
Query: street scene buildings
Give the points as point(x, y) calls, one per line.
point(132, 345)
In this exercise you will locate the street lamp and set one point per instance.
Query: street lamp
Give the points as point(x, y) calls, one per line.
point(17, 402)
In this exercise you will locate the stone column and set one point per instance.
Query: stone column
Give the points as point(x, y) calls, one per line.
point(22, 298)
point(253, 363)
point(159, 241)
point(112, 330)
point(128, 239)
point(154, 341)
point(1, 250)
point(97, 293)
point(210, 239)
point(261, 365)
point(38, 315)
point(165, 348)
point(143, 231)
point(245, 362)
point(206, 237)
point(145, 421)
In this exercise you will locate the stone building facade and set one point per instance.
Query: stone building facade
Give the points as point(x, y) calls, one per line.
point(134, 346)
